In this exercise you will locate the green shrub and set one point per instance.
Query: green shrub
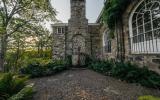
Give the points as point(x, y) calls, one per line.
point(11, 84)
point(148, 98)
point(128, 72)
point(39, 69)
point(25, 94)
point(101, 66)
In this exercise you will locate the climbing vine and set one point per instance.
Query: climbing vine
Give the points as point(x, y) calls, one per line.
point(113, 11)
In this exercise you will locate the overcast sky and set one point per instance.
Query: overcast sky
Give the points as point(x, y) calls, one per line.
point(93, 9)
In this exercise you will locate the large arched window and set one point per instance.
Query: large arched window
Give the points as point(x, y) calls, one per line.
point(144, 28)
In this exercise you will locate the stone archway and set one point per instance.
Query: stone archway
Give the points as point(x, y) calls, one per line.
point(78, 49)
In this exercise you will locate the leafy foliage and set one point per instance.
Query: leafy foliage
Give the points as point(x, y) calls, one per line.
point(25, 94)
point(148, 98)
point(39, 69)
point(113, 11)
point(10, 85)
point(19, 16)
point(101, 66)
point(23, 58)
point(128, 72)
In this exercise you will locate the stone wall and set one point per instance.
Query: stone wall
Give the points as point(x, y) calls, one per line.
point(58, 44)
point(113, 53)
point(152, 61)
point(96, 40)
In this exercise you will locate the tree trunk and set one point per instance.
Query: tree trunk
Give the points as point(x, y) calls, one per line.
point(3, 52)
point(17, 56)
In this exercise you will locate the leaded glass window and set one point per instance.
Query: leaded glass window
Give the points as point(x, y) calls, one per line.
point(145, 27)
point(107, 43)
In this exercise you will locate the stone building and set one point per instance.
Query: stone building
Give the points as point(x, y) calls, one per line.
point(137, 35)
point(77, 38)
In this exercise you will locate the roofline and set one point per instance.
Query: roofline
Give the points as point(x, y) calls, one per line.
point(100, 15)
point(93, 24)
point(60, 24)
point(66, 24)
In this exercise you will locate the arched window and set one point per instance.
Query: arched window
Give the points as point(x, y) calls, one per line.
point(106, 42)
point(144, 25)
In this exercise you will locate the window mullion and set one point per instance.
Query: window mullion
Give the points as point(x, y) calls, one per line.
point(152, 30)
point(137, 43)
point(144, 35)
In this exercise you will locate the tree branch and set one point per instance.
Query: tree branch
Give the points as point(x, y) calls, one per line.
point(18, 27)
point(5, 10)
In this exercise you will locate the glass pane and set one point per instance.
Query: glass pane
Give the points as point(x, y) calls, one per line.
point(148, 27)
point(156, 10)
point(134, 17)
point(148, 1)
point(141, 38)
point(140, 21)
point(135, 39)
point(155, 14)
point(149, 36)
point(147, 17)
point(140, 29)
point(134, 31)
point(134, 25)
point(156, 23)
point(149, 5)
point(155, 6)
point(157, 34)
point(62, 30)
point(140, 7)
point(59, 30)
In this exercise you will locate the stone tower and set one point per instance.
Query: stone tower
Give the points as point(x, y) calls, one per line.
point(78, 39)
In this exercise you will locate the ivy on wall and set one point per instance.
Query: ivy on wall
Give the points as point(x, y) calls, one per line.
point(113, 11)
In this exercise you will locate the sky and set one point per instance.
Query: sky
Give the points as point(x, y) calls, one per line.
point(93, 9)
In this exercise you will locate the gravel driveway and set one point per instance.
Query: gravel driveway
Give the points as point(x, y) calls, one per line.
point(84, 84)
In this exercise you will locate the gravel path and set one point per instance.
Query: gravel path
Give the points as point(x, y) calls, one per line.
point(80, 84)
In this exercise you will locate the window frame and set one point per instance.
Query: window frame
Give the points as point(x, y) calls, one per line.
point(60, 30)
point(107, 42)
point(139, 42)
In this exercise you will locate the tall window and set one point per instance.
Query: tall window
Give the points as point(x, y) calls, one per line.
point(106, 43)
point(145, 27)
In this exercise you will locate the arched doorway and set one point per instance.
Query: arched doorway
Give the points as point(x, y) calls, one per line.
point(78, 47)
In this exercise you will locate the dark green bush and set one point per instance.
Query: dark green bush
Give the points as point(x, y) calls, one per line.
point(25, 94)
point(39, 69)
point(101, 66)
point(10, 85)
point(128, 72)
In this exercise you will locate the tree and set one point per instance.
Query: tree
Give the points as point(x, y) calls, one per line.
point(14, 14)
